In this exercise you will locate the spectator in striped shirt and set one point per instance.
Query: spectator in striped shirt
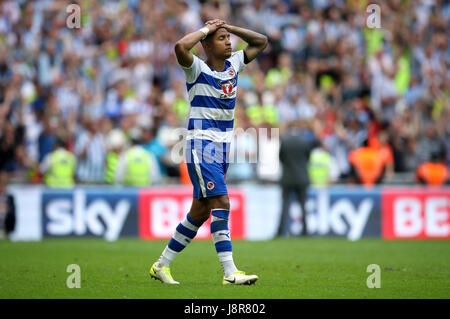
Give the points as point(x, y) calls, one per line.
point(90, 150)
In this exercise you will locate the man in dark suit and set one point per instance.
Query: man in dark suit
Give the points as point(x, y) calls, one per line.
point(7, 207)
point(295, 148)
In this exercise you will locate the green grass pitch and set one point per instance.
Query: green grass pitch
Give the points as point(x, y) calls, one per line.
point(287, 269)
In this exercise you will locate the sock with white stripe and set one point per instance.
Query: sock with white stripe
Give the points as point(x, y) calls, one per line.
point(184, 233)
point(222, 241)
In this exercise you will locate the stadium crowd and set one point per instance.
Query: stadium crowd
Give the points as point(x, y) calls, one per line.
point(324, 70)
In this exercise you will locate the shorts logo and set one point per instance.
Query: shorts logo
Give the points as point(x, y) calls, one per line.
point(210, 185)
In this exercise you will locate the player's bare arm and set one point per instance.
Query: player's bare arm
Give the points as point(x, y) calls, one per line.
point(257, 42)
point(185, 44)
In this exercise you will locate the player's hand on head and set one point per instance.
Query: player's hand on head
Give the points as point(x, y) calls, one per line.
point(215, 24)
point(226, 26)
point(222, 24)
point(215, 21)
point(212, 27)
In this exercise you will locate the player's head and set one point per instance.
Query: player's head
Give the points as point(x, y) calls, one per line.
point(218, 44)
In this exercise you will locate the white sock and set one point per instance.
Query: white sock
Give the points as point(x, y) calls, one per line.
point(184, 234)
point(228, 266)
point(222, 241)
point(167, 256)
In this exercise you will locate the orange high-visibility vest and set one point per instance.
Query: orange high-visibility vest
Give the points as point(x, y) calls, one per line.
point(432, 173)
point(184, 174)
point(368, 163)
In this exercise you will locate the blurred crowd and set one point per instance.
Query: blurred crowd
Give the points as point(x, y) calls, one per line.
point(324, 69)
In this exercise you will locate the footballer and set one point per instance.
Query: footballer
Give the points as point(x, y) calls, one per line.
point(211, 87)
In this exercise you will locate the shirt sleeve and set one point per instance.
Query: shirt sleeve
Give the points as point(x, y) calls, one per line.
point(193, 71)
point(237, 60)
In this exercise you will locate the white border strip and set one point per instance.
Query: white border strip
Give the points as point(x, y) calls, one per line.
point(199, 172)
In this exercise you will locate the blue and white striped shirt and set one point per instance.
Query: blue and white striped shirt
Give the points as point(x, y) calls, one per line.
point(212, 96)
point(90, 168)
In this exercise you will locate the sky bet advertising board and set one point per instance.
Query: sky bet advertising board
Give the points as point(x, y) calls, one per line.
point(161, 210)
point(153, 213)
point(416, 213)
point(112, 213)
point(107, 213)
point(348, 212)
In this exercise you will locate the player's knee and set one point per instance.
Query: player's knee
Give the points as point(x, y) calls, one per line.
point(199, 215)
point(199, 211)
point(220, 202)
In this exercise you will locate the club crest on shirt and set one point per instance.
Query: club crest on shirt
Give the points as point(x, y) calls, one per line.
point(210, 185)
point(231, 72)
point(227, 87)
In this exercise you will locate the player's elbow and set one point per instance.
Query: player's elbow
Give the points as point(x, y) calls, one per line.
point(179, 48)
point(265, 41)
point(262, 44)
